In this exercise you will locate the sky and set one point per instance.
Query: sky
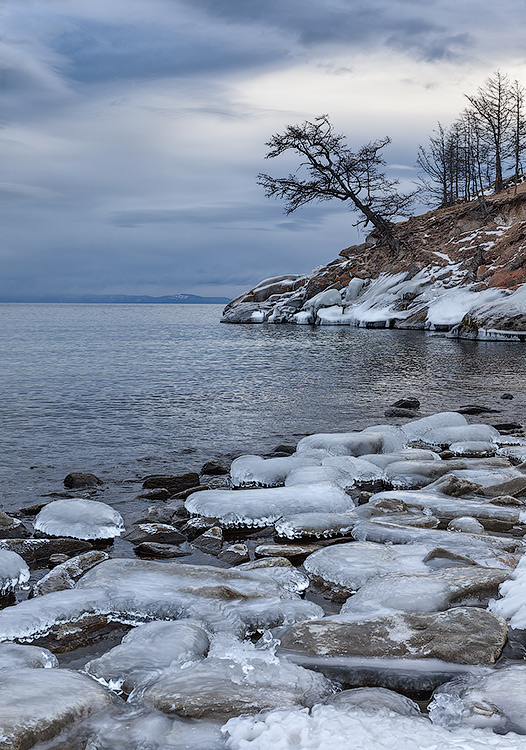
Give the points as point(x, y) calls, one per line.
point(132, 131)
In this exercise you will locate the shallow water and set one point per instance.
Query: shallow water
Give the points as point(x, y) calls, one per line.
point(130, 390)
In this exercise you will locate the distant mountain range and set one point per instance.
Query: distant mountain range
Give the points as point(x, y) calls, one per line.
point(169, 299)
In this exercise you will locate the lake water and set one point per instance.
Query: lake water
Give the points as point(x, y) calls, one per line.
point(130, 390)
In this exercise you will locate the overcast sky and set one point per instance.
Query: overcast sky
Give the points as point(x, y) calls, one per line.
point(132, 131)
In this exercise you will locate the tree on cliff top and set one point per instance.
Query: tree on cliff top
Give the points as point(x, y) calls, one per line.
point(329, 169)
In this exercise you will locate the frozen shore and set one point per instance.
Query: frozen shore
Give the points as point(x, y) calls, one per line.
point(366, 587)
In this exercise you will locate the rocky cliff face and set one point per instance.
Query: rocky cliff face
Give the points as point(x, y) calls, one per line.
point(461, 270)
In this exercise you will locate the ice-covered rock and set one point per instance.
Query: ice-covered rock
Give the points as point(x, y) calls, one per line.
point(412, 474)
point(408, 454)
point(37, 704)
point(65, 575)
point(358, 470)
point(374, 700)
point(416, 429)
point(496, 701)
point(430, 591)
point(35, 552)
point(255, 471)
point(466, 523)
point(473, 448)
point(443, 437)
point(256, 508)
point(80, 519)
point(512, 604)
point(15, 656)
point(13, 571)
point(382, 438)
point(320, 525)
point(318, 475)
point(234, 679)
point(146, 650)
point(463, 635)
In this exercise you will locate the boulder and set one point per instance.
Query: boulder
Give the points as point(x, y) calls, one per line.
point(77, 480)
point(37, 552)
point(214, 468)
point(66, 574)
point(173, 483)
point(161, 533)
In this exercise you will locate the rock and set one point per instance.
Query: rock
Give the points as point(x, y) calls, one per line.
point(463, 635)
point(372, 700)
point(67, 573)
point(466, 523)
point(318, 525)
point(235, 554)
point(57, 559)
point(288, 450)
point(38, 551)
point(11, 528)
point(156, 550)
point(32, 510)
point(190, 491)
point(473, 449)
point(77, 480)
point(508, 500)
point(80, 519)
point(266, 562)
point(211, 541)
point(515, 487)
point(286, 550)
point(507, 396)
point(16, 656)
point(508, 426)
point(162, 533)
point(455, 486)
point(409, 402)
point(214, 468)
point(174, 484)
point(476, 409)
point(160, 493)
point(393, 411)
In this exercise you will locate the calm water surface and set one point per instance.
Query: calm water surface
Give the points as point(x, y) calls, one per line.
point(130, 390)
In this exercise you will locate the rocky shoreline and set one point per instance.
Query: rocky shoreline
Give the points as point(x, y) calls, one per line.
point(367, 585)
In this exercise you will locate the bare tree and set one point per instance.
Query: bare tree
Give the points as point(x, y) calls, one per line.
point(329, 169)
point(518, 128)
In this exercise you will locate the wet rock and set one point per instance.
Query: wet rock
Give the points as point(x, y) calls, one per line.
point(476, 409)
point(173, 483)
point(155, 550)
point(67, 573)
point(11, 528)
point(38, 551)
point(57, 559)
point(160, 493)
point(393, 411)
point(77, 480)
point(211, 541)
point(446, 558)
point(38, 704)
point(148, 648)
point(80, 519)
point(235, 554)
point(508, 426)
point(154, 532)
point(463, 635)
point(286, 550)
point(515, 487)
point(32, 510)
point(287, 450)
point(190, 491)
point(214, 468)
point(266, 562)
point(507, 396)
point(409, 402)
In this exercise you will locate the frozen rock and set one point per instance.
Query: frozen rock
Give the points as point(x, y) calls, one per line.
point(211, 541)
point(234, 680)
point(463, 635)
point(327, 727)
point(443, 437)
point(431, 591)
point(37, 704)
point(319, 525)
point(412, 474)
point(162, 533)
point(467, 524)
point(416, 429)
point(496, 701)
point(235, 554)
point(327, 298)
point(512, 604)
point(146, 649)
point(80, 519)
point(318, 475)
point(38, 551)
point(285, 550)
point(13, 571)
point(515, 486)
point(11, 528)
point(255, 471)
point(373, 700)
point(343, 444)
point(358, 470)
point(65, 575)
point(408, 454)
point(257, 508)
point(473, 449)
point(15, 656)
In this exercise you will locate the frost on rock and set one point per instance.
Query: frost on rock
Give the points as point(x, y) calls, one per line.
point(512, 604)
point(496, 701)
point(416, 429)
point(329, 727)
point(234, 679)
point(319, 525)
point(255, 471)
point(256, 508)
point(13, 571)
point(80, 519)
point(37, 704)
point(148, 648)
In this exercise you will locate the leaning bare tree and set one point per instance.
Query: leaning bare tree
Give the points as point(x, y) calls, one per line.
point(329, 169)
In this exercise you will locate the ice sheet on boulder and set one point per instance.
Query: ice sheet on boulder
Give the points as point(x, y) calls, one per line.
point(409, 474)
point(80, 519)
point(319, 525)
point(256, 508)
point(13, 571)
point(512, 604)
point(255, 471)
point(443, 437)
point(416, 429)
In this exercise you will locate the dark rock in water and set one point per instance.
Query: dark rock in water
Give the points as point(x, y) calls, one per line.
point(162, 533)
point(32, 510)
point(508, 426)
point(78, 479)
point(37, 551)
point(68, 636)
point(515, 487)
point(190, 491)
point(11, 528)
point(475, 409)
point(287, 450)
point(57, 559)
point(286, 550)
point(407, 403)
point(394, 411)
point(507, 396)
point(234, 554)
point(173, 483)
point(211, 541)
point(156, 550)
point(463, 635)
point(214, 468)
point(160, 493)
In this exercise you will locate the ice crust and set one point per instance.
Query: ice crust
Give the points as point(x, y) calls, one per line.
point(80, 519)
point(416, 429)
point(378, 439)
point(320, 525)
point(512, 604)
point(255, 471)
point(13, 571)
point(256, 508)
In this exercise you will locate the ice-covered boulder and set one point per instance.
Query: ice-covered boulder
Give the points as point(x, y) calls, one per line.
point(149, 648)
point(37, 704)
point(343, 443)
point(13, 571)
point(381, 460)
point(512, 604)
point(307, 475)
point(319, 525)
point(256, 508)
point(255, 471)
point(234, 679)
point(374, 700)
point(496, 700)
point(358, 470)
point(412, 474)
point(80, 519)
point(416, 429)
point(463, 635)
point(443, 437)
point(15, 656)
point(65, 575)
